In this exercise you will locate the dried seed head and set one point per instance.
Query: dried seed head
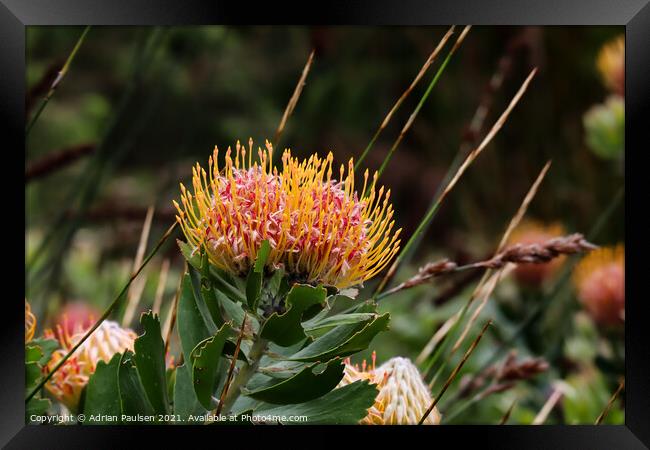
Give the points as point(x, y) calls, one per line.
point(529, 233)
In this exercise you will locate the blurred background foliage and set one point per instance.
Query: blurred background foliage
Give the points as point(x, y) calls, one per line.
point(140, 106)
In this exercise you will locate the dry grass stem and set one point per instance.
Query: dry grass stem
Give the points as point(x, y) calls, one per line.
point(556, 395)
point(160, 289)
point(293, 101)
point(521, 212)
point(506, 416)
point(484, 294)
point(418, 77)
point(436, 338)
point(455, 372)
point(459, 173)
point(611, 401)
point(170, 321)
point(405, 94)
point(490, 135)
point(134, 293)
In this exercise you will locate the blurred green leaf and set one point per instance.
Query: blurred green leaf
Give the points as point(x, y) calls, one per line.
point(185, 401)
point(343, 406)
point(256, 276)
point(207, 368)
point(133, 399)
point(286, 329)
point(102, 392)
point(304, 386)
point(149, 360)
point(191, 327)
point(343, 340)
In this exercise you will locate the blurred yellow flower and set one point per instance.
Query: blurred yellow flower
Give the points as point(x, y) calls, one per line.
point(403, 397)
point(67, 383)
point(600, 284)
point(318, 228)
point(30, 323)
point(611, 64)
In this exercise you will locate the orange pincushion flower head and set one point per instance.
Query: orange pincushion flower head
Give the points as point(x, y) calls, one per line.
point(30, 323)
point(600, 282)
point(68, 382)
point(611, 64)
point(403, 397)
point(319, 230)
point(534, 232)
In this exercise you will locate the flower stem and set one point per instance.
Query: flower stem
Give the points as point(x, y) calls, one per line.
point(245, 373)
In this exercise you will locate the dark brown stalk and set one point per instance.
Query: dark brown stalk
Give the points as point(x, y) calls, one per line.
point(224, 391)
point(57, 160)
point(506, 416)
point(41, 87)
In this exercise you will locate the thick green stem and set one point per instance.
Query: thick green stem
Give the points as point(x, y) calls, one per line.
point(245, 373)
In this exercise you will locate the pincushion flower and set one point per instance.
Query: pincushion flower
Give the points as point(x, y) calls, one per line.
point(30, 323)
point(611, 64)
point(67, 383)
point(76, 315)
point(319, 229)
point(600, 283)
point(403, 396)
point(534, 232)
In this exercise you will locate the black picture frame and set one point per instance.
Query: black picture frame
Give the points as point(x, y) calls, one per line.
point(15, 15)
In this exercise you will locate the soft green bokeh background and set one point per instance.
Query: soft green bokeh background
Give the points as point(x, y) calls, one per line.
point(206, 86)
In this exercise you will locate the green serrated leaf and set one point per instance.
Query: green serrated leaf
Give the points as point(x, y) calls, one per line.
point(191, 327)
point(149, 360)
point(190, 254)
point(208, 293)
point(256, 276)
point(36, 407)
point(46, 346)
point(286, 329)
point(304, 386)
point(196, 279)
point(133, 400)
point(33, 375)
point(336, 320)
point(262, 256)
point(253, 289)
point(207, 367)
point(102, 392)
point(343, 340)
point(185, 401)
point(228, 285)
point(343, 406)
